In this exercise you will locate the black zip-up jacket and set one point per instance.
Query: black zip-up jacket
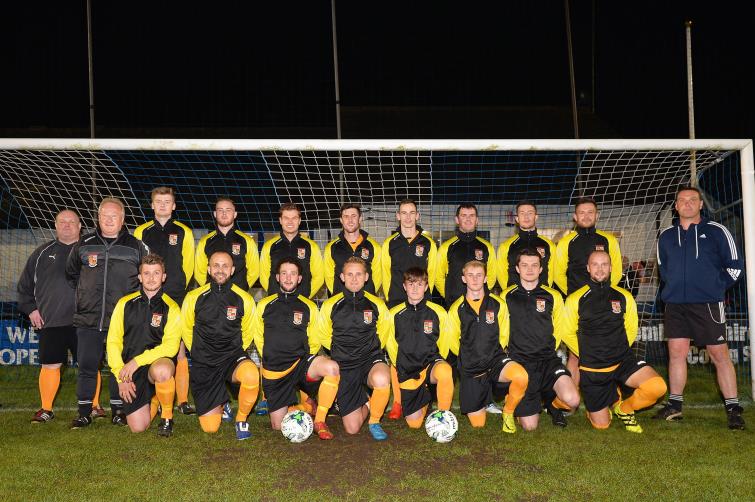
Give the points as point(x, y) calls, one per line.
point(174, 242)
point(533, 322)
point(572, 252)
point(339, 250)
point(240, 246)
point(478, 339)
point(398, 255)
point(102, 271)
point(300, 248)
point(418, 337)
point(510, 249)
point(43, 285)
point(453, 255)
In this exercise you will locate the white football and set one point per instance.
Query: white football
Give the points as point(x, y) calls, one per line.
point(297, 426)
point(441, 426)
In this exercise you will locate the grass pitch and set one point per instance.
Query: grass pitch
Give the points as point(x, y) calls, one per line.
point(698, 458)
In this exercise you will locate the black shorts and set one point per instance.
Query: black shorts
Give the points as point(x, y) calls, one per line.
point(703, 323)
point(476, 392)
point(281, 392)
point(208, 383)
point(144, 390)
point(54, 344)
point(601, 389)
point(352, 388)
point(542, 377)
point(416, 398)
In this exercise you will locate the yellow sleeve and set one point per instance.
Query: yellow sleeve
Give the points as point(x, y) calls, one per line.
point(315, 268)
point(562, 261)
point(557, 316)
point(504, 326)
point(391, 345)
point(385, 259)
point(139, 231)
point(615, 253)
point(258, 323)
point(551, 260)
point(187, 317)
point(252, 259)
point(441, 268)
point(200, 261)
point(329, 267)
point(171, 336)
point(312, 338)
point(492, 265)
point(570, 321)
point(324, 328)
point(265, 265)
point(114, 344)
point(384, 319)
point(187, 252)
point(377, 271)
point(503, 263)
point(444, 341)
point(631, 320)
point(454, 326)
point(247, 335)
point(431, 262)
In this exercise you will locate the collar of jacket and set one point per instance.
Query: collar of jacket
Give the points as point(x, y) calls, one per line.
point(170, 220)
point(155, 297)
point(585, 231)
point(354, 296)
point(466, 236)
point(287, 295)
point(528, 234)
point(600, 286)
point(421, 305)
point(419, 229)
point(220, 232)
point(220, 288)
point(121, 233)
point(364, 235)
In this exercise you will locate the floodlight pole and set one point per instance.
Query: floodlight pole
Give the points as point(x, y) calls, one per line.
point(575, 116)
point(690, 104)
point(91, 107)
point(342, 176)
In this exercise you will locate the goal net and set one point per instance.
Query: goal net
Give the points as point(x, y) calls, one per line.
point(634, 183)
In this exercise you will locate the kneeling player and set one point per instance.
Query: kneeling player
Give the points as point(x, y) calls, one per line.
point(532, 324)
point(145, 330)
point(417, 344)
point(284, 333)
point(217, 330)
point(354, 325)
point(600, 325)
point(477, 337)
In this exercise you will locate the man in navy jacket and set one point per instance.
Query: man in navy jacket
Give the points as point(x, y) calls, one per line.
point(698, 261)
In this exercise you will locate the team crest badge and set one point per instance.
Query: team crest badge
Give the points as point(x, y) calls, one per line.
point(172, 239)
point(541, 251)
point(600, 247)
point(478, 255)
point(230, 313)
point(616, 306)
point(489, 316)
point(368, 316)
point(365, 254)
point(428, 326)
point(301, 253)
point(540, 304)
point(92, 260)
point(236, 249)
point(157, 320)
point(419, 251)
point(298, 317)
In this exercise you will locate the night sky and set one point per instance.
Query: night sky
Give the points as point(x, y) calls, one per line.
point(407, 69)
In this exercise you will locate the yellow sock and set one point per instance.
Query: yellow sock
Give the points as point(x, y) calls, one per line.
point(182, 380)
point(49, 381)
point(210, 423)
point(153, 405)
point(249, 376)
point(416, 423)
point(325, 396)
point(597, 426)
point(96, 398)
point(445, 389)
point(516, 373)
point(166, 392)
point(378, 403)
point(477, 419)
point(394, 385)
point(645, 395)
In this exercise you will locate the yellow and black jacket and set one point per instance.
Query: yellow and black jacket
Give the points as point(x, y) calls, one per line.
point(531, 322)
point(216, 322)
point(477, 338)
point(339, 250)
point(400, 254)
point(143, 329)
point(600, 325)
point(301, 248)
point(418, 336)
point(174, 242)
point(453, 254)
point(353, 326)
point(242, 249)
point(284, 330)
point(572, 251)
point(510, 248)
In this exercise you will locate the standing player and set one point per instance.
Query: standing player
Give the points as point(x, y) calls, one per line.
point(466, 245)
point(46, 297)
point(285, 335)
point(532, 324)
point(477, 322)
point(144, 334)
point(417, 344)
point(354, 325)
point(600, 326)
point(226, 237)
point(699, 261)
point(174, 242)
point(352, 241)
point(291, 244)
point(217, 329)
point(526, 237)
point(103, 266)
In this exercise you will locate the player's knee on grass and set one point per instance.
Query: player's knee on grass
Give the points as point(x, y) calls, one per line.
point(600, 419)
point(276, 418)
point(354, 420)
point(477, 418)
point(415, 420)
point(529, 423)
point(139, 420)
point(210, 423)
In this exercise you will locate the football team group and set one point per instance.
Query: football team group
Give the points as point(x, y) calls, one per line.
point(128, 297)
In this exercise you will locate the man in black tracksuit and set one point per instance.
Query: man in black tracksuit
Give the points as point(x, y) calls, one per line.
point(103, 266)
point(526, 237)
